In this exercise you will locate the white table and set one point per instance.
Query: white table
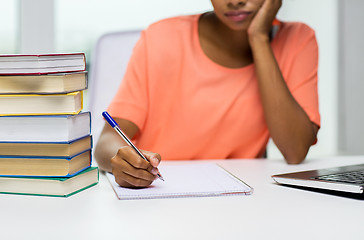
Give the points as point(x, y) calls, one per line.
point(272, 212)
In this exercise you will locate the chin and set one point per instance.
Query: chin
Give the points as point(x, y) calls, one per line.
point(243, 26)
point(238, 28)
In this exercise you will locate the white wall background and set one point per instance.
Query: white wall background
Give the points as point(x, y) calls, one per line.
point(79, 23)
point(351, 84)
point(36, 23)
point(8, 31)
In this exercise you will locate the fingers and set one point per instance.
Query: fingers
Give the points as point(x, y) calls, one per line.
point(271, 7)
point(130, 170)
point(276, 5)
point(125, 180)
point(263, 18)
point(153, 158)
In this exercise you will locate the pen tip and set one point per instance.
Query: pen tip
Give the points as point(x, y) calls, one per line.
point(160, 177)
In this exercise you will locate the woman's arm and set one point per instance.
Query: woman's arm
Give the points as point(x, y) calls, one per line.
point(289, 126)
point(110, 142)
point(114, 155)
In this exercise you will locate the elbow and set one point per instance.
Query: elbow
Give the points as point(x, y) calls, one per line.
point(296, 156)
point(294, 160)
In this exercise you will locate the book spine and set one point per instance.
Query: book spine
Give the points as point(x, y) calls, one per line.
point(30, 157)
point(73, 65)
point(43, 72)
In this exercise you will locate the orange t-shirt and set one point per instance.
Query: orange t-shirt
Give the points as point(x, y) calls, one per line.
point(189, 107)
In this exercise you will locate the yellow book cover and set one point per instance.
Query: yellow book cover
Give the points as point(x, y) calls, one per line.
point(43, 84)
point(41, 104)
point(60, 149)
point(43, 166)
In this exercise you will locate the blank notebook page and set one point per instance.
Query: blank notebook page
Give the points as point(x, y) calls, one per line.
point(188, 180)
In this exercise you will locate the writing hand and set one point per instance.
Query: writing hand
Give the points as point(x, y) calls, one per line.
point(130, 170)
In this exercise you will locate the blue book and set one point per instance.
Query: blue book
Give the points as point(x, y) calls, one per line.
point(44, 166)
point(45, 128)
point(46, 149)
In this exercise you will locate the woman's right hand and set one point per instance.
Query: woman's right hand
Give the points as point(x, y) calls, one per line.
point(130, 170)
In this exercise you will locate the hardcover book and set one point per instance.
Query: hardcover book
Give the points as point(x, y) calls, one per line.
point(55, 187)
point(43, 84)
point(46, 149)
point(36, 104)
point(42, 64)
point(44, 166)
point(45, 128)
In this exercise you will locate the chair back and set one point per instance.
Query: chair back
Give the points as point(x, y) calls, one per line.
point(109, 61)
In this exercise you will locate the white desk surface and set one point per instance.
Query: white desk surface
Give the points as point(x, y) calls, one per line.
point(272, 212)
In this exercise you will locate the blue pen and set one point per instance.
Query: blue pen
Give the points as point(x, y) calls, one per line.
point(115, 126)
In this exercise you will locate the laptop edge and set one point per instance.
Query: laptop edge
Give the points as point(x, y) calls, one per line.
point(306, 179)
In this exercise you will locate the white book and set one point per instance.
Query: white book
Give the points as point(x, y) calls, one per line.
point(42, 63)
point(45, 128)
point(187, 180)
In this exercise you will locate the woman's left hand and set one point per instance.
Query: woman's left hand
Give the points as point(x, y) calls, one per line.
point(263, 19)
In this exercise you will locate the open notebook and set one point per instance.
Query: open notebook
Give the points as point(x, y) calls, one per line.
point(188, 180)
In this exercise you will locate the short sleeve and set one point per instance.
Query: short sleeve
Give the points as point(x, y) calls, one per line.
point(302, 75)
point(130, 101)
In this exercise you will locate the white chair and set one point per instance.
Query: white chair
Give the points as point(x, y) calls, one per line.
point(109, 61)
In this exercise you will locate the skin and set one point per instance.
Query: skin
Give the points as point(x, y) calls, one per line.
point(232, 44)
point(114, 155)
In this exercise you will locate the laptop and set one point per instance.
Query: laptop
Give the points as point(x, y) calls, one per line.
point(347, 179)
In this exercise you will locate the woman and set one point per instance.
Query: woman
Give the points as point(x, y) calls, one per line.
point(214, 86)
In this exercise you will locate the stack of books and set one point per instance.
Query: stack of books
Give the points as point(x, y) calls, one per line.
point(45, 139)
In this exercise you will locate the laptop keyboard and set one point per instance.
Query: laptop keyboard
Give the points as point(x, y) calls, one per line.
point(356, 177)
